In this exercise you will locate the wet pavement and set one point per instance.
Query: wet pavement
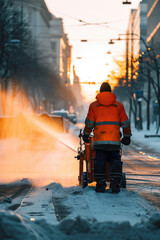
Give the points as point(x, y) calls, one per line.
point(142, 167)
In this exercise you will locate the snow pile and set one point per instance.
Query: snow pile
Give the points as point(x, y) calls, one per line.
point(57, 190)
point(73, 202)
point(12, 226)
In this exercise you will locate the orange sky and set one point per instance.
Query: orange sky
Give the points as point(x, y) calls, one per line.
point(93, 65)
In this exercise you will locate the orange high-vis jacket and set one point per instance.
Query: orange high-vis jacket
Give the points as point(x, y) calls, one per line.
point(106, 116)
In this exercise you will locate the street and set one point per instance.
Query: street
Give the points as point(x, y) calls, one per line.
point(143, 175)
point(140, 164)
point(40, 186)
point(79, 81)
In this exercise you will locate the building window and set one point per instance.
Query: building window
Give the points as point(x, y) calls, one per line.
point(53, 46)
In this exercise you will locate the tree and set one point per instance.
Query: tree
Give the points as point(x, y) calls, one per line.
point(151, 71)
point(22, 66)
point(117, 76)
point(16, 48)
point(128, 87)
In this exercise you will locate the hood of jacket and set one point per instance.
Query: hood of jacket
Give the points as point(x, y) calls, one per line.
point(106, 98)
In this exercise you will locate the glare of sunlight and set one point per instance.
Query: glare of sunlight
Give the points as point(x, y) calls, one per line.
point(142, 153)
point(154, 158)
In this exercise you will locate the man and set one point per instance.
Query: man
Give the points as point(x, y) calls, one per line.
point(105, 117)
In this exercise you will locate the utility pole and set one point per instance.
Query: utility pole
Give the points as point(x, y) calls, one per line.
point(22, 12)
point(132, 49)
point(127, 61)
point(149, 97)
point(139, 101)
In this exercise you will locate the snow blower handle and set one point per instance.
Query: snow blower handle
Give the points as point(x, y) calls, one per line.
point(79, 150)
point(80, 139)
point(80, 134)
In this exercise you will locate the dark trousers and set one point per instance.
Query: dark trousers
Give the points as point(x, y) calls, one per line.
point(101, 157)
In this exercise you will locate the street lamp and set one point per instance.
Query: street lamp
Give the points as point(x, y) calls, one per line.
point(134, 34)
point(84, 40)
point(111, 41)
point(116, 39)
point(126, 2)
point(109, 52)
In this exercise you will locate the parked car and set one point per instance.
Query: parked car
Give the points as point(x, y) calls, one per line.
point(65, 120)
point(62, 113)
point(72, 117)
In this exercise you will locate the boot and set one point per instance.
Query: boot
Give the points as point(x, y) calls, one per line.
point(115, 182)
point(100, 186)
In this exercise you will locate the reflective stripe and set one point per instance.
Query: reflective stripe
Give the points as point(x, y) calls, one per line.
point(108, 123)
point(125, 124)
point(127, 121)
point(89, 123)
point(107, 142)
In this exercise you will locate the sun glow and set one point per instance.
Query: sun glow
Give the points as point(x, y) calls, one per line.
point(90, 41)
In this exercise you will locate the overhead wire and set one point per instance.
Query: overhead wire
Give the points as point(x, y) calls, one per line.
point(85, 23)
point(82, 22)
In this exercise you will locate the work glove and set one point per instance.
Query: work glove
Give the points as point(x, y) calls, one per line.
point(85, 138)
point(126, 140)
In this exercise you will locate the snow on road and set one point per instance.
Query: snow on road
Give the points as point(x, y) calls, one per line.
point(119, 213)
point(38, 205)
point(82, 213)
point(54, 203)
point(125, 206)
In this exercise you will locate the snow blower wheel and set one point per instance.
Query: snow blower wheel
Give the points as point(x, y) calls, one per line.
point(84, 179)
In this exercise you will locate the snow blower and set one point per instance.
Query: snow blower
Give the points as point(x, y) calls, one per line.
point(86, 154)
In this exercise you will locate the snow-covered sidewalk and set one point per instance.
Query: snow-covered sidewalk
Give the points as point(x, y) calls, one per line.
point(101, 207)
point(91, 216)
point(151, 143)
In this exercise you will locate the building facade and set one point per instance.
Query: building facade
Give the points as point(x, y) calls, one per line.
point(153, 22)
point(153, 41)
point(38, 17)
point(48, 33)
point(136, 46)
point(136, 40)
point(61, 50)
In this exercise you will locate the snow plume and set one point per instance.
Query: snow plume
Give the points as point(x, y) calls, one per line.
point(41, 161)
point(31, 147)
point(12, 226)
point(23, 146)
point(13, 103)
point(52, 130)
